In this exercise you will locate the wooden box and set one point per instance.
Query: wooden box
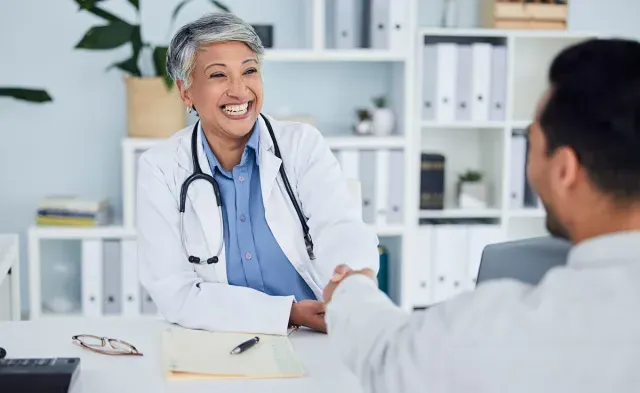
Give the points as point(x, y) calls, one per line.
point(521, 14)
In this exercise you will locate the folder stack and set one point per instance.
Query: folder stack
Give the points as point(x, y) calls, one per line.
point(72, 211)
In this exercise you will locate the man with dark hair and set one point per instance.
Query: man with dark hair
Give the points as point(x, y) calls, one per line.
point(579, 329)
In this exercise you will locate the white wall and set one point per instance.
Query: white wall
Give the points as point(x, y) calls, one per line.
point(72, 146)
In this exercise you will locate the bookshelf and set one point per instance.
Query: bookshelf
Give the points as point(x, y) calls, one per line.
point(475, 140)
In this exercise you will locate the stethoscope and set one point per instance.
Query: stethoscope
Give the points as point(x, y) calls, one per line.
point(199, 175)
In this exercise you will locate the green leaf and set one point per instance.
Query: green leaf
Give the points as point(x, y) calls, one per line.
point(135, 3)
point(30, 95)
point(176, 10)
point(160, 63)
point(86, 4)
point(136, 40)
point(130, 66)
point(110, 36)
point(89, 6)
point(220, 5)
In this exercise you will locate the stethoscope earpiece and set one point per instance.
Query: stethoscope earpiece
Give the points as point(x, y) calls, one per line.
point(193, 259)
point(212, 260)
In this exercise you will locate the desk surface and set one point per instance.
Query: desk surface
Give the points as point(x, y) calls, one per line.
point(51, 337)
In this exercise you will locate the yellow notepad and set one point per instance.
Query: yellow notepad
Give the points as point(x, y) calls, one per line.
point(199, 354)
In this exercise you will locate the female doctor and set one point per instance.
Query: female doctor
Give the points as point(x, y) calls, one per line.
point(241, 219)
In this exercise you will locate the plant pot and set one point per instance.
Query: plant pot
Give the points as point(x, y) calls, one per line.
point(363, 127)
point(152, 110)
point(472, 195)
point(383, 121)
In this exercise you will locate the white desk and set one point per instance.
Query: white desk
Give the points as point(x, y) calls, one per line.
point(49, 337)
point(9, 277)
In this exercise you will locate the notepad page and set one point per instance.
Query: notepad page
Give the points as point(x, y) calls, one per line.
point(204, 352)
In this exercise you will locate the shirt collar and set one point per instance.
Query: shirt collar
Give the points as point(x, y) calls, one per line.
point(613, 247)
point(252, 144)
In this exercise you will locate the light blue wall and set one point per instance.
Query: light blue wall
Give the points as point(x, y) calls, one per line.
point(72, 146)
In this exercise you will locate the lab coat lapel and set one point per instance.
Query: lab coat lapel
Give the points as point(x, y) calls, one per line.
point(202, 197)
point(278, 209)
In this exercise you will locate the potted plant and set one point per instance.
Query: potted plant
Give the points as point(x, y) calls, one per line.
point(154, 106)
point(472, 191)
point(25, 94)
point(383, 117)
point(364, 126)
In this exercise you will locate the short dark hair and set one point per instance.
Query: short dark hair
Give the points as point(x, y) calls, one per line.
point(594, 109)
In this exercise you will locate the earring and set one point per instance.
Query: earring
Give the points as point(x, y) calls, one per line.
point(189, 109)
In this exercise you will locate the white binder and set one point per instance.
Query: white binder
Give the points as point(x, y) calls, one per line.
point(382, 187)
point(497, 111)
point(91, 273)
point(478, 237)
point(129, 277)
point(421, 268)
point(465, 71)
point(348, 19)
point(148, 306)
point(517, 169)
point(447, 60)
point(111, 278)
point(398, 25)
point(396, 187)
point(368, 185)
point(481, 81)
point(450, 260)
point(349, 163)
point(429, 74)
point(379, 24)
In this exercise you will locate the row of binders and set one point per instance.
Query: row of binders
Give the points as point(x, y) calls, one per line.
point(381, 177)
point(464, 81)
point(521, 193)
point(450, 259)
point(375, 24)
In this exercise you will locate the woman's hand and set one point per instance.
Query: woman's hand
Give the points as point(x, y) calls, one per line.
point(309, 313)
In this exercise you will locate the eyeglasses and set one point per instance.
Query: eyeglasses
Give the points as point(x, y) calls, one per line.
point(99, 344)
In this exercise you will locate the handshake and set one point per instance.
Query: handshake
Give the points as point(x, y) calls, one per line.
point(310, 313)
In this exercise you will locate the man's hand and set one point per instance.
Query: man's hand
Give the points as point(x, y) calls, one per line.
point(341, 272)
point(309, 313)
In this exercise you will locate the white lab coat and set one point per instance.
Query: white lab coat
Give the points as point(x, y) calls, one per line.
point(199, 296)
point(577, 331)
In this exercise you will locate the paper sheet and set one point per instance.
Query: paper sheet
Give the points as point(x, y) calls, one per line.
point(199, 354)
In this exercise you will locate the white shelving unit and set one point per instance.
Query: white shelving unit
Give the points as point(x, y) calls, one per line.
point(482, 144)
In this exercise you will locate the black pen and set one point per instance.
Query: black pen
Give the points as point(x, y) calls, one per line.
point(245, 345)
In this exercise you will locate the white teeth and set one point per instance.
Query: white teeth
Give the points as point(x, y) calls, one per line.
point(236, 109)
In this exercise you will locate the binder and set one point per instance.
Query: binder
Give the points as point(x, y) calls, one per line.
point(463, 94)
point(481, 81)
point(396, 187)
point(382, 187)
point(478, 237)
point(398, 24)
point(383, 271)
point(148, 306)
point(447, 60)
point(450, 262)
point(91, 273)
point(432, 179)
point(497, 110)
point(111, 278)
point(517, 168)
point(421, 272)
point(349, 163)
point(131, 305)
point(368, 185)
point(348, 17)
point(379, 24)
point(429, 81)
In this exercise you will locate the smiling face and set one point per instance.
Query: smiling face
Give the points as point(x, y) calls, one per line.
point(226, 89)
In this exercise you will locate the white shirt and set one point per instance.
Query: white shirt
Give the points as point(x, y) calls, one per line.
point(577, 331)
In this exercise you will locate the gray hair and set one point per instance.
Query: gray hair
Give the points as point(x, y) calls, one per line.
point(208, 29)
